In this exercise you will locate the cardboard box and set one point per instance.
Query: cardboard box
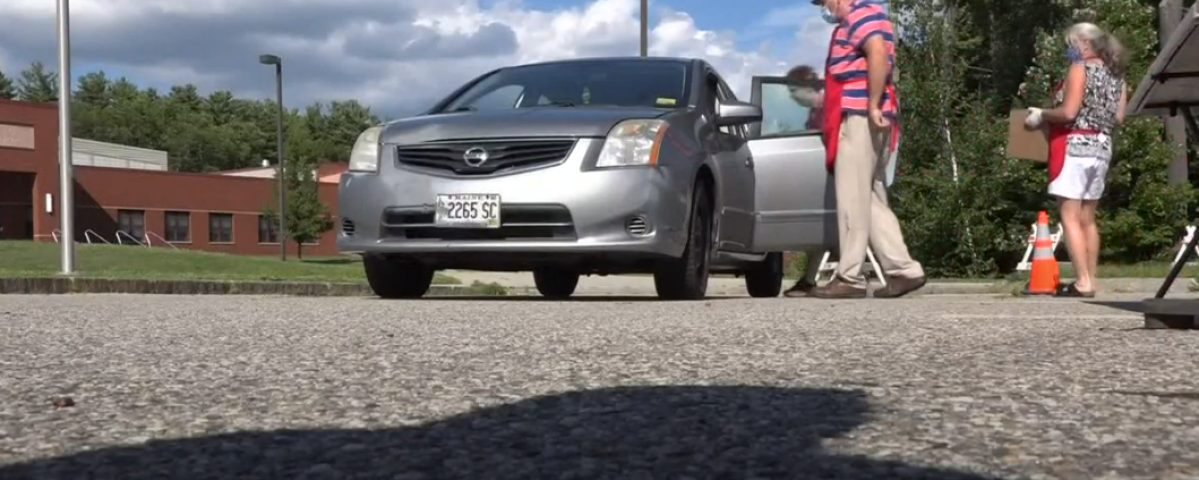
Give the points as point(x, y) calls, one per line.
point(1026, 144)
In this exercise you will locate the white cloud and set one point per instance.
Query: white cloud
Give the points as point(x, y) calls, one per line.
point(392, 54)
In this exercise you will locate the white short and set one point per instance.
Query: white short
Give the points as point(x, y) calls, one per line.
point(1082, 178)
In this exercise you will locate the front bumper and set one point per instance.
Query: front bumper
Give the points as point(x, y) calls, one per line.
point(562, 209)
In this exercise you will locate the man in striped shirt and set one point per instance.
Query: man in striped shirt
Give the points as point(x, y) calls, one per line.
point(860, 118)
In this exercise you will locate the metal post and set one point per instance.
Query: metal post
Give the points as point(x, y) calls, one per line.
point(644, 28)
point(1193, 126)
point(282, 170)
point(1169, 14)
point(66, 168)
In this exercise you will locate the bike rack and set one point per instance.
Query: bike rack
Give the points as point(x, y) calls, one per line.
point(130, 237)
point(87, 235)
point(160, 240)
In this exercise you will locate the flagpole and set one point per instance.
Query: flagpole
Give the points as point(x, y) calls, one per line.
point(66, 168)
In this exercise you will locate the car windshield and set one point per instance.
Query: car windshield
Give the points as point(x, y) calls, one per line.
point(614, 83)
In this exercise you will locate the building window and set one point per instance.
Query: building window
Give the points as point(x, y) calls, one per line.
point(220, 227)
point(133, 223)
point(267, 233)
point(178, 226)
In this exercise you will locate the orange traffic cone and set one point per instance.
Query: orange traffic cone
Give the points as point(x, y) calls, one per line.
point(1043, 280)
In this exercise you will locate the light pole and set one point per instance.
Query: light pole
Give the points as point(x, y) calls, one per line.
point(644, 28)
point(66, 167)
point(279, 175)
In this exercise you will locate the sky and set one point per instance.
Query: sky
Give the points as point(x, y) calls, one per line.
point(397, 56)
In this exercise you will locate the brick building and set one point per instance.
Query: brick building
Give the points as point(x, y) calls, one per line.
point(130, 191)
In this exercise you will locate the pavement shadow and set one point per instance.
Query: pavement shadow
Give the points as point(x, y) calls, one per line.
point(617, 433)
point(1135, 307)
point(572, 299)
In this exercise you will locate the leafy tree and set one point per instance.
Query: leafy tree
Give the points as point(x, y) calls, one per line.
point(7, 90)
point(307, 217)
point(37, 84)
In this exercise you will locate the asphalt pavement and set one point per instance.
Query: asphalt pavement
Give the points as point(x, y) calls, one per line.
point(128, 387)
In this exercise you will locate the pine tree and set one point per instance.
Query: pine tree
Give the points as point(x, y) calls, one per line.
point(7, 90)
point(37, 84)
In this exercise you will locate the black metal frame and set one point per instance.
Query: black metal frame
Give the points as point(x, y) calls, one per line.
point(1193, 129)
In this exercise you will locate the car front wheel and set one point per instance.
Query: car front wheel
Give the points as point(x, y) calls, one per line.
point(555, 283)
point(393, 278)
point(686, 278)
point(765, 278)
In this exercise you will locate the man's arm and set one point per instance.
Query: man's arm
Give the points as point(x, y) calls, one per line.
point(877, 65)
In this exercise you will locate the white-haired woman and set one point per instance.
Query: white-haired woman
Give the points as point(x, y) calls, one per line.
point(1089, 105)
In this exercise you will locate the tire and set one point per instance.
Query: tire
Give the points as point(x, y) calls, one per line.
point(765, 278)
point(686, 277)
point(555, 283)
point(392, 278)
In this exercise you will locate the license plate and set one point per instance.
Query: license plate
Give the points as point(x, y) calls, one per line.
point(468, 211)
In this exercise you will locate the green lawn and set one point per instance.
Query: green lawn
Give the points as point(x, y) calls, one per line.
point(38, 259)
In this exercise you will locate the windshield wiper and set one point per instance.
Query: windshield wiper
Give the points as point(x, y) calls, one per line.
point(461, 109)
point(562, 103)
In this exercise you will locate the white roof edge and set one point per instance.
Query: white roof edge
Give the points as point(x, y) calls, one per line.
point(1172, 49)
point(119, 145)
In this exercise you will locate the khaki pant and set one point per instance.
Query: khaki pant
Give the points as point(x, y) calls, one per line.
point(863, 215)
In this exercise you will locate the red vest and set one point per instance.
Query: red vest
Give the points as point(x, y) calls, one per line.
point(832, 114)
point(1057, 141)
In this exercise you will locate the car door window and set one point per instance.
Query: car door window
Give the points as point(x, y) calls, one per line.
point(783, 110)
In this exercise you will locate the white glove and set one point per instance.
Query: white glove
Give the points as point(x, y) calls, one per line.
point(1034, 118)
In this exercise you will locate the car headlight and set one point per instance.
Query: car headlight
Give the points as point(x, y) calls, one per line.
point(632, 143)
point(364, 157)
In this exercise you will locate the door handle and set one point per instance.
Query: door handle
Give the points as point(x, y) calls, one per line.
point(749, 163)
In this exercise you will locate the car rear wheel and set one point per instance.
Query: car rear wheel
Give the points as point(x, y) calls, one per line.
point(765, 278)
point(686, 278)
point(393, 278)
point(555, 283)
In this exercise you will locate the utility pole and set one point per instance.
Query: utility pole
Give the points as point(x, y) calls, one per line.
point(1169, 14)
point(644, 28)
point(281, 172)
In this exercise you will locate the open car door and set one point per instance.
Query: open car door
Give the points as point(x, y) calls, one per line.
point(794, 200)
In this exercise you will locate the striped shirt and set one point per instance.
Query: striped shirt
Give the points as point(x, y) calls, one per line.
point(847, 60)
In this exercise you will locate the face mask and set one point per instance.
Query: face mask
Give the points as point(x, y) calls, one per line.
point(1073, 55)
point(828, 15)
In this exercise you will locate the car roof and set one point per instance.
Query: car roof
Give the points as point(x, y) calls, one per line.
point(684, 61)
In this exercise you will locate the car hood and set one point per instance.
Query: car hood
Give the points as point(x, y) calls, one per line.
point(519, 122)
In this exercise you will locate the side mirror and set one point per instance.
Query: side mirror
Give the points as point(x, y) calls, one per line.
point(732, 112)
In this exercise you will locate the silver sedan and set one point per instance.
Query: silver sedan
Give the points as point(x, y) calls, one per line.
point(590, 166)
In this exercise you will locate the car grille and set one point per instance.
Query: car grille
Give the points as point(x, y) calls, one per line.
point(503, 155)
point(517, 222)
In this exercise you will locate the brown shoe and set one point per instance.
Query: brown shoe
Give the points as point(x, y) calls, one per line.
point(900, 286)
point(838, 289)
point(800, 289)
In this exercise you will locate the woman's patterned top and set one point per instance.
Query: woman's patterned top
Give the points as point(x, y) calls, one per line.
point(1100, 102)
